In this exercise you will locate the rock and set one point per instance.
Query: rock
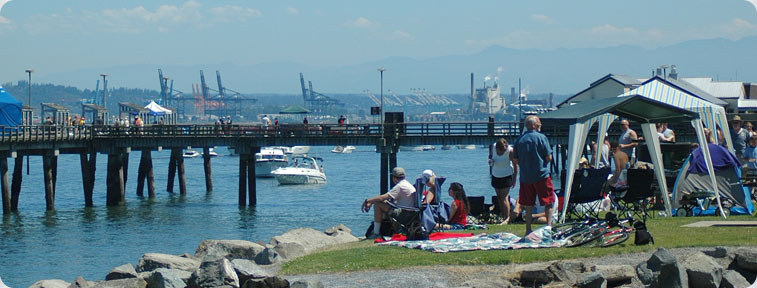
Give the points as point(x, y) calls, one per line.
point(732, 279)
point(232, 249)
point(616, 274)
point(337, 228)
point(662, 270)
point(482, 283)
point(703, 271)
point(315, 284)
point(79, 282)
point(268, 282)
point(543, 273)
point(246, 270)
point(214, 272)
point(168, 278)
point(268, 256)
point(591, 280)
point(122, 283)
point(122, 272)
point(746, 259)
point(299, 242)
point(152, 261)
point(719, 252)
point(55, 283)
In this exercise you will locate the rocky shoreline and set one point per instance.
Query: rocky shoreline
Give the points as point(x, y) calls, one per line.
point(239, 263)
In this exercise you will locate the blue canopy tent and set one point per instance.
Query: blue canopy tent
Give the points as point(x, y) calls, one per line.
point(10, 110)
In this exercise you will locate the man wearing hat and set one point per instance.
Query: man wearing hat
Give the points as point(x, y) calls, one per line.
point(402, 195)
point(739, 137)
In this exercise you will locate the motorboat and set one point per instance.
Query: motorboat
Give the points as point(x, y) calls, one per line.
point(417, 148)
point(190, 154)
point(212, 153)
point(447, 147)
point(466, 147)
point(268, 160)
point(285, 149)
point(300, 150)
point(343, 149)
point(304, 170)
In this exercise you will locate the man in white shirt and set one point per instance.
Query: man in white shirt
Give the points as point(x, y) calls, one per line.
point(401, 195)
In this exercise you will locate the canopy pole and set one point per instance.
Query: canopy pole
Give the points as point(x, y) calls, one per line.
point(575, 146)
point(703, 144)
point(653, 145)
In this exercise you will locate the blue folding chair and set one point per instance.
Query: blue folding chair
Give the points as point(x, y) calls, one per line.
point(418, 221)
point(586, 201)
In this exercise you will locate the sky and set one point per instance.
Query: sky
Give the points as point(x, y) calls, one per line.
point(54, 36)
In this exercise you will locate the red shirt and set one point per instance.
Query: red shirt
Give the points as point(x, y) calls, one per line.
point(461, 215)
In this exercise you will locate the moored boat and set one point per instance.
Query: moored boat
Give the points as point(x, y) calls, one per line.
point(268, 160)
point(304, 170)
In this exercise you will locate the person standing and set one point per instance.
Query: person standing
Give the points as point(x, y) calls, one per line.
point(739, 137)
point(627, 138)
point(533, 154)
point(503, 173)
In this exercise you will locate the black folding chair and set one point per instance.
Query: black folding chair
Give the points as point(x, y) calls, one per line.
point(635, 197)
point(586, 201)
point(478, 209)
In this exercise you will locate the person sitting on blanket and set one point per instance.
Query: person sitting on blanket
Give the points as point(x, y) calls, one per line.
point(402, 195)
point(429, 179)
point(539, 217)
point(458, 210)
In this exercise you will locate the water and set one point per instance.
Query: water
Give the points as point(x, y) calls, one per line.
point(76, 241)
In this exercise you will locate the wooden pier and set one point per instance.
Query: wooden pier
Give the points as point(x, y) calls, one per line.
point(117, 142)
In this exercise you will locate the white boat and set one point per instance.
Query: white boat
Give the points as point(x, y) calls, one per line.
point(300, 150)
point(343, 149)
point(285, 149)
point(212, 153)
point(304, 170)
point(466, 147)
point(190, 154)
point(268, 160)
point(411, 148)
point(447, 147)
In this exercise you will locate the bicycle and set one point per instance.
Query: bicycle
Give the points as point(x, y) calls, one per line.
point(602, 233)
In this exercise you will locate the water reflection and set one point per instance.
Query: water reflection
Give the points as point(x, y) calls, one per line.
point(88, 214)
point(50, 219)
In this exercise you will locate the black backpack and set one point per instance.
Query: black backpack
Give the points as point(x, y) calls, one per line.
point(642, 236)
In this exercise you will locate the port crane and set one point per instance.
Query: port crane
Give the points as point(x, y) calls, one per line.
point(171, 97)
point(316, 102)
point(226, 102)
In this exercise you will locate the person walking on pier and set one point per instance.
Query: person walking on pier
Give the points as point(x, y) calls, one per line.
point(533, 154)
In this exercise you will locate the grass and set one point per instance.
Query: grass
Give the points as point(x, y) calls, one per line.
point(667, 232)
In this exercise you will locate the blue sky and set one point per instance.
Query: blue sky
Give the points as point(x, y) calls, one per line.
point(54, 36)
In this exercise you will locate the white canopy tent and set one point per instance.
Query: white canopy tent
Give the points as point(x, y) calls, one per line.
point(638, 108)
point(156, 109)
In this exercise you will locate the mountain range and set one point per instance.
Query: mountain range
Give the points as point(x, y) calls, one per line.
point(559, 71)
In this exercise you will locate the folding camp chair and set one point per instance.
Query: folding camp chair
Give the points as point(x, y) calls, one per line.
point(417, 221)
point(478, 209)
point(634, 198)
point(586, 201)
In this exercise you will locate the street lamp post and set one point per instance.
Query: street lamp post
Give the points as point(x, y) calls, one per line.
point(381, 71)
point(105, 89)
point(31, 114)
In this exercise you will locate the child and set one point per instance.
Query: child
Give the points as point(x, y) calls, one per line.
point(750, 155)
point(458, 210)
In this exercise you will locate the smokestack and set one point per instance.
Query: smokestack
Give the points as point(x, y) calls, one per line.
point(472, 95)
point(512, 94)
point(550, 100)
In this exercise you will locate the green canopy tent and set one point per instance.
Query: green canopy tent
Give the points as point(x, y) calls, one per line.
point(637, 108)
point(295, 109)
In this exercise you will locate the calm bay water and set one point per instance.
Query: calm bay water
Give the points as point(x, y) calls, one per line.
point(74, 240)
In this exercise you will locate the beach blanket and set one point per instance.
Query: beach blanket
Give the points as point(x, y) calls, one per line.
point(432, 237)
point(540, 238)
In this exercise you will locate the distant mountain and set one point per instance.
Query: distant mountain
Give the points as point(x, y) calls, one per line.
point(560, 71)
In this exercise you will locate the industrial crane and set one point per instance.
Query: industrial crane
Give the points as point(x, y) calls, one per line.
point(223, 103)
point(167, 95)
point(316, 102)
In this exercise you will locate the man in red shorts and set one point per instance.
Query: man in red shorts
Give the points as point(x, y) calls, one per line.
point(533, 154)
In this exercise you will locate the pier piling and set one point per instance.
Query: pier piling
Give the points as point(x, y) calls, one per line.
point(6, 189)
point(182, 176)
point(115, 190)
point(242, 179)
point(141, 173)
point(85, 174)
point(17, 177)
point(149, 174)
point(175, 153)
point(384, 173)
point(251, 181)
point(125, 161)
point(48, 179)
point(208, 169)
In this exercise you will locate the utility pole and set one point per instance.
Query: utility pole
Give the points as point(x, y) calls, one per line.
point(31, 115)
point(381, 70)
point(105, 89)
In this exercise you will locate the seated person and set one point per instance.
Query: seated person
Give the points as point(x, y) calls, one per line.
point(458, 212)
point(429, 179)
point(622, 163)
point(539, 217)
point(750, 154)
point(402, 195)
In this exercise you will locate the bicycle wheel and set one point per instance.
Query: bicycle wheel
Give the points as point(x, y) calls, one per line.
point(561, 231)
point(584, 236)
point(613, 238)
